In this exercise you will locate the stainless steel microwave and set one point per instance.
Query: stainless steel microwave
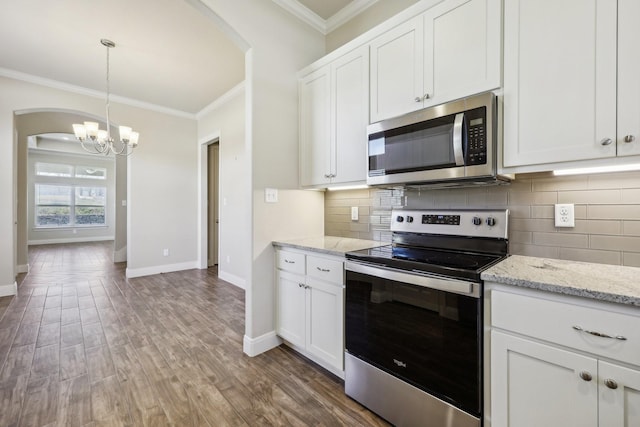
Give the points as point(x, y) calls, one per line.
point(452, 144)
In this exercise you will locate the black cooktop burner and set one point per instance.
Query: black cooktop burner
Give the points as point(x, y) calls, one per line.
point(464, 265)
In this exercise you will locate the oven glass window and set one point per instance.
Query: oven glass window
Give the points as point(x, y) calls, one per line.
point(426, 337)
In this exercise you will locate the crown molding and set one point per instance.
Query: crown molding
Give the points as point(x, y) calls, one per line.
point(349, 12)
point(304, 14)
point(54, 84)
point(235, 91)
point(325, 26)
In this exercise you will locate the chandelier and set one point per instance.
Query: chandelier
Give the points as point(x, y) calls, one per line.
point(98, 141)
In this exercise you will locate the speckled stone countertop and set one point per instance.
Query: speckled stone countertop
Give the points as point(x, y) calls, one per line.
point(612, 283)
point(329, 245)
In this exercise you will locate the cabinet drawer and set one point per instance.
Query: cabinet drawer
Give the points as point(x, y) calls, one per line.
point(290, 261)
point(326, 269)
point(557, 322)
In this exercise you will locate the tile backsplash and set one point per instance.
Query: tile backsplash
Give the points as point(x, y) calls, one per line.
point(607, 212)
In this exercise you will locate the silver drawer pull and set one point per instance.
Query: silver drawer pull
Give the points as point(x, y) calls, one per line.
point(324, 270)
point(289, 262)
point(599, 334)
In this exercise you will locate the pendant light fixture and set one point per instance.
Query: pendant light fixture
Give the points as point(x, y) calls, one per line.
point(98, 141)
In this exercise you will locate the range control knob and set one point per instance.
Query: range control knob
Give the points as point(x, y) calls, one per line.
point(491, 221)
point(409, 218)
point(400, 218)
point(477, 220)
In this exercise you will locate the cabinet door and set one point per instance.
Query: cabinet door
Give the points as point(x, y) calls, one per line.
point(559, 80)
point(462, 42)
point(291, 307)
point(325, 324)
point(535, 385)
point(619, 400)
point(396, 71)
point(315, 96)
point(628, 78)
point(350, 116)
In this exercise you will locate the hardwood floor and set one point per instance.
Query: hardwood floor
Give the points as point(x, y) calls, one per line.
point(80, 345)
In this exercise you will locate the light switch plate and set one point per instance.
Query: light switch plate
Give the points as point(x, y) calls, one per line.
point(354, 213)
point(565, 215)
point(271, 195)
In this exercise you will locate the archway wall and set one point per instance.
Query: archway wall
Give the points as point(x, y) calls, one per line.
point(34, 122)
point(161, 176)
point(278, 45)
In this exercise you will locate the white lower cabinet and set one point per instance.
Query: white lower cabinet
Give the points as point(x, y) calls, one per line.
point(310, 307)
point(547, 369)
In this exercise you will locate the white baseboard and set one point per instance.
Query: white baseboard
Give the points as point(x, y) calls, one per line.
point(8, 290)
point(157, 269)
point(232, 278)
point(23, 268)
point(255, 346)
point(70, 240)
point(120, 255)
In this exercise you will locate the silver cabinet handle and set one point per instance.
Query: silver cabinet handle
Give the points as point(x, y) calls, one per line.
point(629, 138)
point(586, 376)
point(606, 141)
point(418, 99)
point(300, 285)
point(288, 261)
point(326, 175)
point(611, 384)
point(457, 139)
point(426, 96)
point(599, 334)
point(324, 270)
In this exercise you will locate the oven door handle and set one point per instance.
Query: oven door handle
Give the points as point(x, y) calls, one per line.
point(458, 153)
point(416, 278)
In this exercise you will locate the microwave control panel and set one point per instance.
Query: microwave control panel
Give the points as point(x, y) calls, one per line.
point(476, 136)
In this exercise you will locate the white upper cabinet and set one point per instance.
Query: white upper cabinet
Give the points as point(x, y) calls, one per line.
point(560, 81)
point(334, 112)
point(628, 142)
point(450, 51)
point(462, 53)
point(315, 113)
point(397, 71)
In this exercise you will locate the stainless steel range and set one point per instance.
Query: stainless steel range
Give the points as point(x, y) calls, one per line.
point(413, 324)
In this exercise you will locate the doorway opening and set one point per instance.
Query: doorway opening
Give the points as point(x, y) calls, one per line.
point(213, 218)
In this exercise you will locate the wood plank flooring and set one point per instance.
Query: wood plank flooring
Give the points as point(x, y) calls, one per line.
point(80, 345)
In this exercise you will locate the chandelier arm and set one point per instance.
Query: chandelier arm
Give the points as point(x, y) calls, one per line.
point(119, 152)
point(88, 150)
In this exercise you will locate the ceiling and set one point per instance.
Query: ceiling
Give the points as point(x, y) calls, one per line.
point(168, 55)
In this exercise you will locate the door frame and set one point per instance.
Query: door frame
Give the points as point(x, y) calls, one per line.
point(203, 190)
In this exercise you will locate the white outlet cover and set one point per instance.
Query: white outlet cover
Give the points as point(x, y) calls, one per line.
point(271, 195)
point(565, 215)
point(354, 213)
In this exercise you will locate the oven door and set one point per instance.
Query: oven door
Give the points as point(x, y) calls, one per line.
point(425, 331)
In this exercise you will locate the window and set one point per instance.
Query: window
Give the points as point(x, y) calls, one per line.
point(54, 169)
point(69, 205)
point(90, 172)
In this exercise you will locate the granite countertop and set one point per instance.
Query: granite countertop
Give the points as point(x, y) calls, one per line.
point(329, 244)
point(611, 283)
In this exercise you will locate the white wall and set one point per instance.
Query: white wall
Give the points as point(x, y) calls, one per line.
point(226, 122)
point(277, 46)
point(67, 234)
point(379, 12)
point(162, 177)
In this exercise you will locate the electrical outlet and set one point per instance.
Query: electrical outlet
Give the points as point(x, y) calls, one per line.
point(565, 215)
point(165, 252)
point(271, 195)
point(354, 213)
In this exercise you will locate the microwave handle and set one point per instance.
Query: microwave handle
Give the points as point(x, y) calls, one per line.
point(458, 154)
